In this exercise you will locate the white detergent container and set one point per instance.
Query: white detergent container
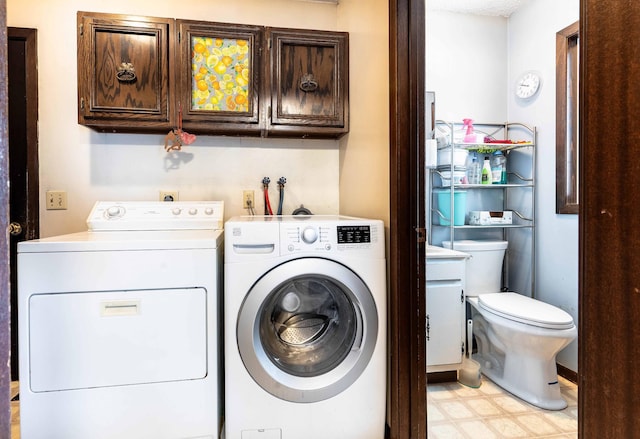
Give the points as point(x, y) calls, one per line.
point(518, 337)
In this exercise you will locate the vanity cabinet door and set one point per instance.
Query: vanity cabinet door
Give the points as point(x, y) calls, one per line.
point(309, 83)
point(445, 313)
point(444, 309)
point(220, 77)
point(125, 75)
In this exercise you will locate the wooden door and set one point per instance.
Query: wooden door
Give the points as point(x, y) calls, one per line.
point(609, 255)
point(23, 157)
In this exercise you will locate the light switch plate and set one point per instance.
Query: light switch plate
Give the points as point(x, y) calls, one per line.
point(56, 200)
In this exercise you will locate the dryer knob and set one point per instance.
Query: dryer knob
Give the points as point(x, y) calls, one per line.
point(193, 211)
point(309, 235)
point(114, 212)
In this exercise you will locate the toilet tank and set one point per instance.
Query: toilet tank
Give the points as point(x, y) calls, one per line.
point(484, 267)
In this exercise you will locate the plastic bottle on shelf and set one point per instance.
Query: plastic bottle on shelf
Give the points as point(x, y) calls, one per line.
point(474, 170)
point(498, 168)
point(486, 171)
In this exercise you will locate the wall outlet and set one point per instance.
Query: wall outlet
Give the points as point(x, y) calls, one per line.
point(56, 200)
point(168, 195)
point(248, 199)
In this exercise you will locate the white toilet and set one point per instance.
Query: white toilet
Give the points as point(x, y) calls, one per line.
point(517, 337)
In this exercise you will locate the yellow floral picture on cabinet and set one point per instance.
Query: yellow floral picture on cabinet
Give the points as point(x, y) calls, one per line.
point(220, 74)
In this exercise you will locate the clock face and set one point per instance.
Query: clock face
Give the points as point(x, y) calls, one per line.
point(527, 85)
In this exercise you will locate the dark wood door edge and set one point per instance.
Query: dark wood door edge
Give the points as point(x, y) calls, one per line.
point(407, 403)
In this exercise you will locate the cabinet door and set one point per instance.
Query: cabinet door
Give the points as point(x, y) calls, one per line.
point(309, 85)
point(444, 314)
point(219, 77)
point(124, 74)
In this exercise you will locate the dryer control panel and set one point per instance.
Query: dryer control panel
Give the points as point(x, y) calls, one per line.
point(156, 215)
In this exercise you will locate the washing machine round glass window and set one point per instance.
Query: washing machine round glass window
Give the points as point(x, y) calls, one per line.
point(308, 325)
point(307, 329)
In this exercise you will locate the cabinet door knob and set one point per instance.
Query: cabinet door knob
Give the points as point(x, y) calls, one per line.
point(126, 72)
point(308, 83)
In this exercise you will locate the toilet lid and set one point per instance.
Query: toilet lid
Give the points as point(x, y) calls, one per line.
point(524, 309)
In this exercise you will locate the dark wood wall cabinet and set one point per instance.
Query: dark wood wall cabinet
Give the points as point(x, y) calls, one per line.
point(145, 74)
point(309, 80)
point(125, 75)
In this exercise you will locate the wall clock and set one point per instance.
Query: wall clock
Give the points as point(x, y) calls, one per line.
point(527, 85)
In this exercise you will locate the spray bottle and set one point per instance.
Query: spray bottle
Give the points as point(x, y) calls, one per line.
point(470, 136)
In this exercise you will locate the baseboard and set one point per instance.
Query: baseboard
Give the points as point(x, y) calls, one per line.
point(567, 373)
point(442, 377)
point(452, 375)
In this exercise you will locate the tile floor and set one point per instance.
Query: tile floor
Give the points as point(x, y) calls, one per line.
point(456, 411)
point(15, 411)
point(459, 412)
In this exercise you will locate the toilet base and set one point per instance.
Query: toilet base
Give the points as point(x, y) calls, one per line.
point(531, 380)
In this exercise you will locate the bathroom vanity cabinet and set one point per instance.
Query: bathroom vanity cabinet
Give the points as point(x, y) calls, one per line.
point(516, 197)
point(445, 298)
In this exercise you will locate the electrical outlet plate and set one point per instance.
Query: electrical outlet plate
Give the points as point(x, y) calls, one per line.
point(248, 199)
point(56, 200)
point(168, 195)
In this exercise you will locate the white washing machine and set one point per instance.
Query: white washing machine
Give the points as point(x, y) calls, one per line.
point(305, 328)
point(119, 326)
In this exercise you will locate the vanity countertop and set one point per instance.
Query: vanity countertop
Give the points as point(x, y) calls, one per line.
point(436, 252)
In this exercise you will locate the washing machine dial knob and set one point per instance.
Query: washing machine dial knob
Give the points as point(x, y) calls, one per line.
point(176, 211)
point(309, 235)
point(193, 211)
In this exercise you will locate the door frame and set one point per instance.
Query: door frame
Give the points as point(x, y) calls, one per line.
point(407, 403)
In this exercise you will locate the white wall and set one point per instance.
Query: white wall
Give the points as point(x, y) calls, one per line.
point(93, 166)
point(466, 57)
point(533, 47)
point(472, 63)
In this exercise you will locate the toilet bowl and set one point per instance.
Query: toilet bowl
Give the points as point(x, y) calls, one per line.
point(517, 337)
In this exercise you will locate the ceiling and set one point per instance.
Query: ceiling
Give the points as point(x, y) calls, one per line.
point(502, 8)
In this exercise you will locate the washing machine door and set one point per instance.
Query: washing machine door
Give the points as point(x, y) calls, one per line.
point(307, 329)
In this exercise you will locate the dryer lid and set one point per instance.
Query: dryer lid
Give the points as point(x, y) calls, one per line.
point(526, 310)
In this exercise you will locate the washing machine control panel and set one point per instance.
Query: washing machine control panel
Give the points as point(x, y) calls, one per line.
point(354, 234)
point(319, 237)
point(156, 215)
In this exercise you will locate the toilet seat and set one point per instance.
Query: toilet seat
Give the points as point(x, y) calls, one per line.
point(526, 310)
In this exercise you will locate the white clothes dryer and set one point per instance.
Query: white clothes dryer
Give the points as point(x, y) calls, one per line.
point(119, 326)
point(305, 328)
